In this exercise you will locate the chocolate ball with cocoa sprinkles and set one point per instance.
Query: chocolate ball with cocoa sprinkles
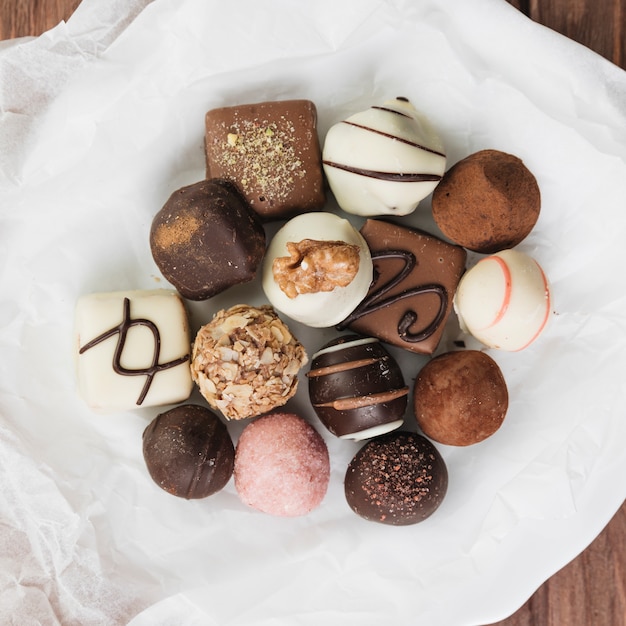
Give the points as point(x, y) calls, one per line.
point(397, 479)
point(188, 452)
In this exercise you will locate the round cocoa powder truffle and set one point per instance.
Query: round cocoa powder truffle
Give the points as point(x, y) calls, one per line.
point(398, 479)
point(460, 398)
point(487, 202)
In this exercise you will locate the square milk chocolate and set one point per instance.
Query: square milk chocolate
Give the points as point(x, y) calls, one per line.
point(132, 349)
point(411, 297)
point(271, 151)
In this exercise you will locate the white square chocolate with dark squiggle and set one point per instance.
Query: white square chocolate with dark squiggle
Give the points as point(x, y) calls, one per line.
point(132, 349)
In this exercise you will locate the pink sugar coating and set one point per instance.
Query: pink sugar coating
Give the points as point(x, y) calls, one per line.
point(282, 465)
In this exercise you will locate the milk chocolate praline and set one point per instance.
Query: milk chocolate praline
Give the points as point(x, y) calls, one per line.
point(399, 479)
point(271, 151)
point(357, 388)
point(410, 299)
point(460, 398)
point(188, 452)
point(206, 239)
point(487, 202)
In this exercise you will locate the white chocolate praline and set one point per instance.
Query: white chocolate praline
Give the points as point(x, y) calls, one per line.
point(384, 160)
point(321, 309)
point(504, 301)
point(132, 349)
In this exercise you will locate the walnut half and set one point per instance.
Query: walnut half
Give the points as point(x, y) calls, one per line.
point(315, 266)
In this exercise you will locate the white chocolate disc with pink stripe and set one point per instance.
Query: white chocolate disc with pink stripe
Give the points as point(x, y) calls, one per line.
point(504, 301)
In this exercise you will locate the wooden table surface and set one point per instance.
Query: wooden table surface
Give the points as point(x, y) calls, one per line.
point(591, 590)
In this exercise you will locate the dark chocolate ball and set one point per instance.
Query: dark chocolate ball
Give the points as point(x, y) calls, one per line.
point(206, 238)
point(398, 479)
point(460, 398)
point(189, 452)
point(357, 388)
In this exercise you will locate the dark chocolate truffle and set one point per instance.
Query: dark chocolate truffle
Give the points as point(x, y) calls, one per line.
point(410, 298)
point(206, 239)
point(357, 388)
point(487, 202)
point(188, 452)
point(460, 398)
point(271, 151)
point(398, 479)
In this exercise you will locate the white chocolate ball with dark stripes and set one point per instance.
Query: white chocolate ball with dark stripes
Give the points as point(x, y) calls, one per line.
point(384, 160)
point(356, 388)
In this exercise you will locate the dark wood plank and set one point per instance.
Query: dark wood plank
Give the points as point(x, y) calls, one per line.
point(19, 18)
point(589, 591)
point(598, 24)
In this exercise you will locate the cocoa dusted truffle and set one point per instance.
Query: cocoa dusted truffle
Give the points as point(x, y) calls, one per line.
point(188, 452)
point(357, 388)
point(487, 202)
point(245, 361)
point(460, 398)
point(282, 465)
point(398, 479)
point(206, 239)
point(271, 151)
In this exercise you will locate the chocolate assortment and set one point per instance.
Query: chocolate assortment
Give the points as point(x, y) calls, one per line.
point(393, 286)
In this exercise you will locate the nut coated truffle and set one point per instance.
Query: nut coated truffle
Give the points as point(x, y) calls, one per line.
point(245, 361)
point(282, 465)
point(487, 202)
point(188, 452)
point(460, 398)
point(397, 479)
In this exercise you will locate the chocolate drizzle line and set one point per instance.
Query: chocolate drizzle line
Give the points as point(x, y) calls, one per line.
point(395, 137)
point(388, 110)
point(375, 301)
point(122, 330)
point(357, 402)
point(389, 176)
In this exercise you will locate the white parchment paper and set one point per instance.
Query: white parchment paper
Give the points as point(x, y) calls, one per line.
point(102, 119)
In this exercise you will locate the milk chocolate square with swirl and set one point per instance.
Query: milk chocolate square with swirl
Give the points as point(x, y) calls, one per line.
point(415, 277)
point(271, 151)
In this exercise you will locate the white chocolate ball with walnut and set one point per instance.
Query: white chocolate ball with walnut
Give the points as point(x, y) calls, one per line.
point(317, 269)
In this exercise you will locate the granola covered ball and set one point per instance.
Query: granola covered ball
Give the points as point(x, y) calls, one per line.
point(245, 361)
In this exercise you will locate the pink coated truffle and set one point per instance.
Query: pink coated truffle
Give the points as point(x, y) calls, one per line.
point(282, 465)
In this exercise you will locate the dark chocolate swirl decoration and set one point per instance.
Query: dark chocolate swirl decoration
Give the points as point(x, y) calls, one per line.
point(122, 330)
point(376, 300)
